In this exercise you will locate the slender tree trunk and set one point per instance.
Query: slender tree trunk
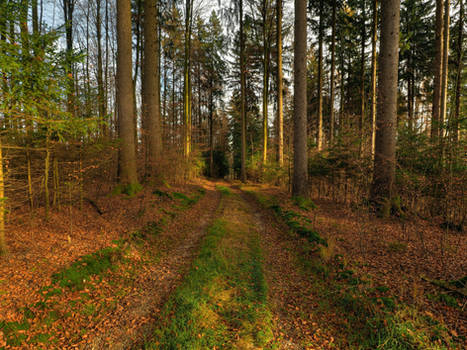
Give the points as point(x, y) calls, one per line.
point(151, 91)
point(126, 112)
point(265, 78)
point(187, 79)
point(361, 124)
point(3, 246)
point(242, 95)
point(374, 37)
point(333, 69)
point(300, 174)
point(280, 106)
point(382, 189)
point(139, 58)
point(320, 75)
point(211, 141)
point(68, 9)
point(438, 68)
point(460, 56)
point(445, 68)
point(100, 81)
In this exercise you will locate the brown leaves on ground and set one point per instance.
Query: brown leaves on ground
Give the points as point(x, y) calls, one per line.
point(393, 253)
point(124, 298)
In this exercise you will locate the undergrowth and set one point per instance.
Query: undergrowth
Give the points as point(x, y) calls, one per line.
point(369, 317)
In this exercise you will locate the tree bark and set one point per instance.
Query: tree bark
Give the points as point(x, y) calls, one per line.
point(265, 79)
point(300, 174)
point(126, 112)
point(445, 68)
point(242, 96)
point(460, 56)
point(187, 79)
point(333, 69)
point(151, 82)
point(361, 124)
point(320, 75)
point(382, 189)
point(438, 68)
point(374, 37)
point(100, 81)
point(280, 106)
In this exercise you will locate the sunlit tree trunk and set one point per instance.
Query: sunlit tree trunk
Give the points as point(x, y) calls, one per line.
point(187, 79)
point(333, 69)
point(374, 37)
point(320, 75)
point(100, 81)
point(266, 57)
point(125, 105)
point(445, 68)
point(382, 189)
point(300, 173)
point(280, 107)
point(3, 247)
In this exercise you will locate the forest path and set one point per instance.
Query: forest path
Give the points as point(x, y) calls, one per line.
point(175, 249)
point(290, 291)
point(243, 290)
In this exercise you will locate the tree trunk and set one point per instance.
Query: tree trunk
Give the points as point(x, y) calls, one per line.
point(382, 189)
point(265, 78)
point(300, 175)
point(68, 8)
point(187, 79)
point(374, 37)
point(100, 81)
point(320, 75)
point(151, 79)
point(460, 56)
point(445, 68)
point(361, 124)
point(3, 247)
point(126, 112)
point(333, 68)
point(242, 95)
point(438, 68)
point(280, 107)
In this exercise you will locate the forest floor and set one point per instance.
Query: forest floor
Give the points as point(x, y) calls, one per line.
point(214, 265)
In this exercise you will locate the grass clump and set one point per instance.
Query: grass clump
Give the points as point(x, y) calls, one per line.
point(75, 276)
point(224, 190)
point(304, 203)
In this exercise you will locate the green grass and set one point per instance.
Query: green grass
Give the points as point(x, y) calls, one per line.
point(304, 203)
point(222, 303)
point(224, 190)
point(76, 275)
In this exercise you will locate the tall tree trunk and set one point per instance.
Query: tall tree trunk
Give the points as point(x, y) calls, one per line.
point(68, 9)
point(100, 81)
point(265, 78)
point(320, 75)
point(211, 136)
point(3, 247)
point(361, 124)
point(460, 57)
point(126, 112)
point(374, 37)
point(382, 189)
point(333, 69)
point(300, 174)
point(445, 66)
point(151, 82)
point(187, 79)
point(139, 58)
point(280, 106)
point(438, 68)
point(242, 95)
